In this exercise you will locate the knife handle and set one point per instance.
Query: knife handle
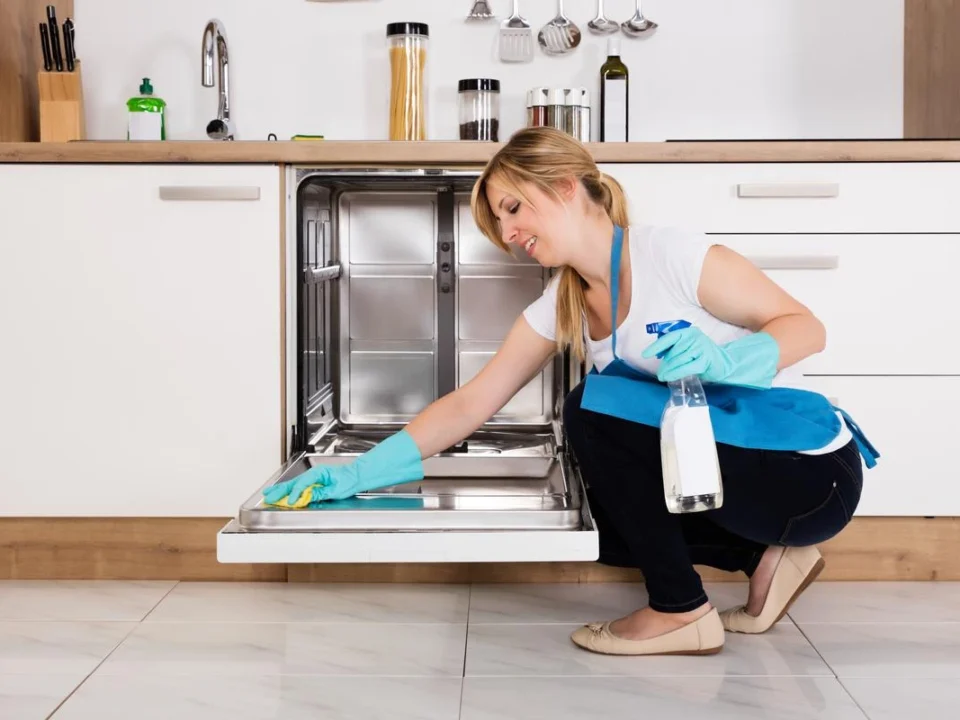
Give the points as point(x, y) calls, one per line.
point(68, 44)
point(45, 45)
point(55, 38)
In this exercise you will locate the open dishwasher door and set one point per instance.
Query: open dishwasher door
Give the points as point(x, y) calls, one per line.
point(399, 301)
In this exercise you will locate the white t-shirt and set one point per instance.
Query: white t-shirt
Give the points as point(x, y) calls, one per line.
point(665, 268)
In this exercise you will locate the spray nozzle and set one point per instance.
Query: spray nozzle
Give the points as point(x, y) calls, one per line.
point(662, 328)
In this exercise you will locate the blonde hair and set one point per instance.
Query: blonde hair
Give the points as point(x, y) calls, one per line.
point(542, 157)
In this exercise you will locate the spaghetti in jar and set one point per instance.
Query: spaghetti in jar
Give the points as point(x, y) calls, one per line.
point(407, 45)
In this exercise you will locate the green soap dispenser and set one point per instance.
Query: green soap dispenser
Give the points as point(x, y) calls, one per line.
point(146, 115)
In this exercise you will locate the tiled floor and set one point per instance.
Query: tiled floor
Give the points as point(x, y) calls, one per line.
point(79, 650)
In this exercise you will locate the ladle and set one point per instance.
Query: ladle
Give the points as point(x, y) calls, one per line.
point(638, 25)
point(601, 25)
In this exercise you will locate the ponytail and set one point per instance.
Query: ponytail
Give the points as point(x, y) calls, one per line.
point(615, 201)
point(571, 309)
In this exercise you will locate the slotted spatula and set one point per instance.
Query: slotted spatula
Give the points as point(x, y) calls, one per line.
point(516, 38)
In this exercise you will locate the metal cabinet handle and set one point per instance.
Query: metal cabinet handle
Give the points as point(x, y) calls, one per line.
point(788, 190)
point(795, 262)
point(321, 274)
point(209, 192)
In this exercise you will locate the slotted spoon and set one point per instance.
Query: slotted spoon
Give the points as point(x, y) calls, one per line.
point(559, 36)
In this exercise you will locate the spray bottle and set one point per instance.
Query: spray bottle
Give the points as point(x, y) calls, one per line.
point(688, 449)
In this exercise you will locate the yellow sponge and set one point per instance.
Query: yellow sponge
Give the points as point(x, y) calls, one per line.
point(306, 497)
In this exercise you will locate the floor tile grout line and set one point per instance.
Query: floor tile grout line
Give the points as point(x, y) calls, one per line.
point(466, 645)
point(97, 667)
point(815, 648)
point(136, 624)
point(173, 587)
point(866, 715)
point(291, 621)
point(879, 622)
point(636, 676)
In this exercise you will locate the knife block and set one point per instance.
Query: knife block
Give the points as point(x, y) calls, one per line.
point(61, 105)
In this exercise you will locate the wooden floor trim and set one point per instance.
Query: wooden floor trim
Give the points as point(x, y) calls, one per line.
point(185, 549)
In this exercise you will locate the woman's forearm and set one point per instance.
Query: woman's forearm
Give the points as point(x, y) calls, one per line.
point(443, 423)
point(798, 336)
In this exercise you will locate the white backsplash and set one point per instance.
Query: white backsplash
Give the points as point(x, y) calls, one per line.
point(714, 69)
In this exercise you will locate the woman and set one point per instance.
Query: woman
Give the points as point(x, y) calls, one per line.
point(543, 194)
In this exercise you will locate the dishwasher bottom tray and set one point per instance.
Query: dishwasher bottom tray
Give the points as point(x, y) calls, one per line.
point(491, 482)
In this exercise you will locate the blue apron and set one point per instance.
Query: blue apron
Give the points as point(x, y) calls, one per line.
point(772, 419)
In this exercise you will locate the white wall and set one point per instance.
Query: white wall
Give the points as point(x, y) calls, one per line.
point(715, 68)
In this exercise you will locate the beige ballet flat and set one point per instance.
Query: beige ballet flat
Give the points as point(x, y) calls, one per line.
point(796, 569)
point(702, 637)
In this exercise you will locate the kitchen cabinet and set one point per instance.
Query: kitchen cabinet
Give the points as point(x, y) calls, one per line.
point(907, 418)
point(140, 321)
point(872, 249)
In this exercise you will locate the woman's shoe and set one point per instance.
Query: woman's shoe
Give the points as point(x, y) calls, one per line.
point(796, 569)
point(701, 637)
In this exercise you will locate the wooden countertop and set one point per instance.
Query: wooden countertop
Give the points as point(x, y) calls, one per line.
point(386, 153)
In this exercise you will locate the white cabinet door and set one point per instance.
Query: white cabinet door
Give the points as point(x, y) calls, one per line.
point(140, 335)
point(908, 420)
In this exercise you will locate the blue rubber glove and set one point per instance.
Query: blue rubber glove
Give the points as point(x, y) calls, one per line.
point(750, 361)
point(395, 460)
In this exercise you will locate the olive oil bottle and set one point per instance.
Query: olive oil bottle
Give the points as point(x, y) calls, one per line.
point(614, 96)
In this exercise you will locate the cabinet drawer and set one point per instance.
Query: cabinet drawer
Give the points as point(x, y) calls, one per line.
point(882, 298)
point(794, 197)
point(907, 420)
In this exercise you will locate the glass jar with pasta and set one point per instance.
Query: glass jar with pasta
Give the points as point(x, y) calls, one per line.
point(407, 45)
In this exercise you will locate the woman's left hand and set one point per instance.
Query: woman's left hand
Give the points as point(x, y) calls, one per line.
point(750, 361)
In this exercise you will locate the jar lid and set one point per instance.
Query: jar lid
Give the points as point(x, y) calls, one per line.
point(479, 84)
point(408, 28)
point(537, 96)
point(577, 97)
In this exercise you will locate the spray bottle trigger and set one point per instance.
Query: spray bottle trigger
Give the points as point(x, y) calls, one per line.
point(662, 328)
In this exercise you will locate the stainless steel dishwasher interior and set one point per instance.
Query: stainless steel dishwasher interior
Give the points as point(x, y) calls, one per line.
point(400, 300)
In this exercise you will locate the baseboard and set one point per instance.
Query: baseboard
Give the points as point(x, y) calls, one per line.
point(120, 549)
point(185, 549)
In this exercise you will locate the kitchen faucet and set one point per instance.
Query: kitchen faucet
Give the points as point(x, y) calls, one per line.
point(214, 34)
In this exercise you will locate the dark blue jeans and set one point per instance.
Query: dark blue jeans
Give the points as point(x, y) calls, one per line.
point(770, 498)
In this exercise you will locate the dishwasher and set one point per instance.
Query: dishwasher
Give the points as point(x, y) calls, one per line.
point(396, 299)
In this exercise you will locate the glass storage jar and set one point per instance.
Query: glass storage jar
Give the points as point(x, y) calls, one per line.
point(407, 45)
point(479, 109)
point(578, 107)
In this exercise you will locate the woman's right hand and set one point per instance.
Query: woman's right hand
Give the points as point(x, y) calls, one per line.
point(393, 461)
point(293, 493)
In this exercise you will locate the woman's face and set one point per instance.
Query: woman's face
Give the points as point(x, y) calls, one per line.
point(543, 231)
